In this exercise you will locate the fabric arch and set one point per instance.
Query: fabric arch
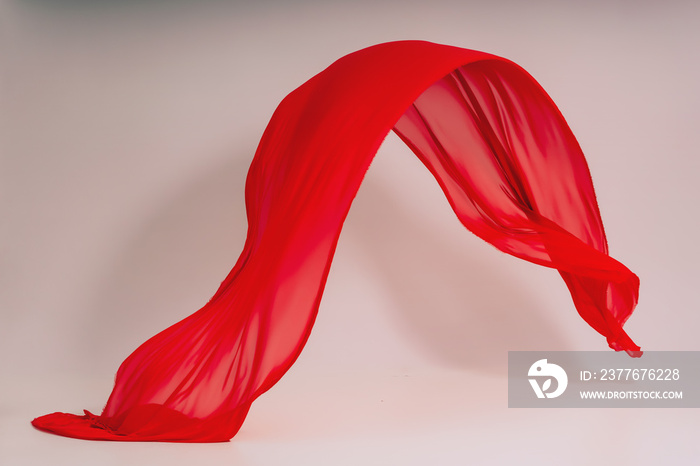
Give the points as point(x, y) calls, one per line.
point(496, 143)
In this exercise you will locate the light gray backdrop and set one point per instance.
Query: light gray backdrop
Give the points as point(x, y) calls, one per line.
point(127, 130)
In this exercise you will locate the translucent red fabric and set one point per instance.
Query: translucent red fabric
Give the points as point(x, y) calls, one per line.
point(497, 145)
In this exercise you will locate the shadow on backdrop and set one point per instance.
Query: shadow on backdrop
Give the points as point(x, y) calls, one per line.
point(170, 266)
point(452, 300)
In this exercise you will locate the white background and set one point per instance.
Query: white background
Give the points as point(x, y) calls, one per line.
point(127, 131)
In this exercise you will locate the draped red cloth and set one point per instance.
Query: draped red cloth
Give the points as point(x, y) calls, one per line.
point(497, 145)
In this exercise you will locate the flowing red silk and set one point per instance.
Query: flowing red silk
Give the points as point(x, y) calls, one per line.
point(497, 145)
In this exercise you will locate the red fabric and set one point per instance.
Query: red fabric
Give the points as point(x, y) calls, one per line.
point(502, 153)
